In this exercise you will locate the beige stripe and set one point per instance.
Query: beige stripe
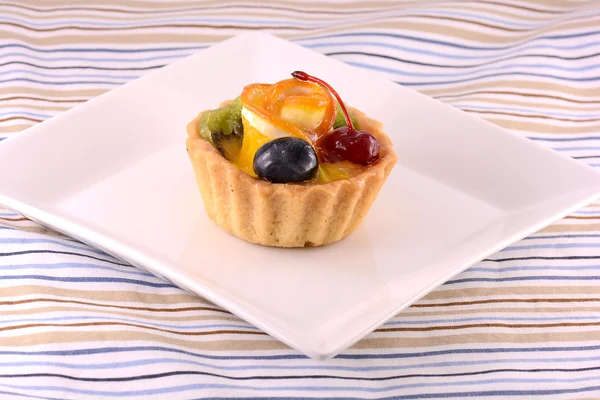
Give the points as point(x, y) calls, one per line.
point(232, 318)
point(217, 317)
point(156, 37)
point(572, 228)
point(153, 328)
point(516, 86)
point(32, 228)
point(105, 295)
point(537, 115)
point(512, 290)
point(369, 5)
point(537, 127)
point(89, 310)
point(549, 6)
point(290, 25)
point(481, 8)
point(528, 310)
point(579, 102)
point(142, 36)
point(88, 336)
point(18, 118)
point(57, 101)
point(57, 108)
point(465, 33)
point(267, 10)
point(402, 341)
point(14, 128)
point(417, 329)
point(534, 106)
point(92, 14)
point(10, 91)
point(521, 300)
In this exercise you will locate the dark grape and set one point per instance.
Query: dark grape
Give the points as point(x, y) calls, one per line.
point(284, 160)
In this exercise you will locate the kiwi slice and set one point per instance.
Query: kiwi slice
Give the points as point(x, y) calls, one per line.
point(223, 128)
point(341, 121)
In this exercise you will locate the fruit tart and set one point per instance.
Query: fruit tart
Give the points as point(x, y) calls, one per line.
point(288, 164)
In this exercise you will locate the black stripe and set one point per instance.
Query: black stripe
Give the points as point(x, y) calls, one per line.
point(404, 60)
point(584, 157)
point(543, 258)
point(83, 66)
point(17, 253)
point(289, 377)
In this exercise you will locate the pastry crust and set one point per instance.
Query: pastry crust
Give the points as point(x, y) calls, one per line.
point(291, 214)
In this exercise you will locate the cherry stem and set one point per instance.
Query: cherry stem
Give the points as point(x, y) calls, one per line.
point(303, 76)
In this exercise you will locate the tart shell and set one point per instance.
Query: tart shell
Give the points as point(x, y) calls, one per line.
point(291, 214)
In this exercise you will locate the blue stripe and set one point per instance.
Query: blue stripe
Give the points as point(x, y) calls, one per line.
point(568, 139)
point(27, 396)
point(401, 320)
point(87, 279)
point(460, 395)
point(460, 45)
point(523, 74)
point(296, 356)
point(257, 22)
point(527, 111)
point(88, 60)
point(13, 80)
point(26, 240)
point(158, 22)
point(552, 246)
point(496, 71)
point(67, 265)
point(25, 113)
point(525, 278)
point(534, 268)
point(512, 73)
point(189, 387)
point(101, 50)
point(450, 55)
point(585, 235)
point(134, 321)
point(186, 51)
point(295, 367)
point(70, 75)
point(575, 148)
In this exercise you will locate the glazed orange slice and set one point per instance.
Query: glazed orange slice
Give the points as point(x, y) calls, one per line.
point(287, 108)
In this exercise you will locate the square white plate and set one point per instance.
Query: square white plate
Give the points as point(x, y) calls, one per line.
point(114, 173)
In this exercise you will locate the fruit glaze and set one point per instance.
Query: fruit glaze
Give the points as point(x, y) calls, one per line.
point(296, 130)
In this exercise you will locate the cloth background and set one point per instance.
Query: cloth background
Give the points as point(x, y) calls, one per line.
point(76, 323)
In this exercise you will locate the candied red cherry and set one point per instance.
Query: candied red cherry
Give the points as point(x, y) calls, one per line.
point(358, 147)
point(344, 143)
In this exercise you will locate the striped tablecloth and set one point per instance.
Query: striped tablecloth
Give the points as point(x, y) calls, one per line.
point(75, 323)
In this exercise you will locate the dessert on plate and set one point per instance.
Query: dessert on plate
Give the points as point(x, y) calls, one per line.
point(288, 164)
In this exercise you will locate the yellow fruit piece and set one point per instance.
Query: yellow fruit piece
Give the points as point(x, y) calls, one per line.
point(330, 172)
point(252, 141)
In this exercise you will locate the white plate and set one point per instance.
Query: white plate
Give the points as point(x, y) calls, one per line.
point(114, 173)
